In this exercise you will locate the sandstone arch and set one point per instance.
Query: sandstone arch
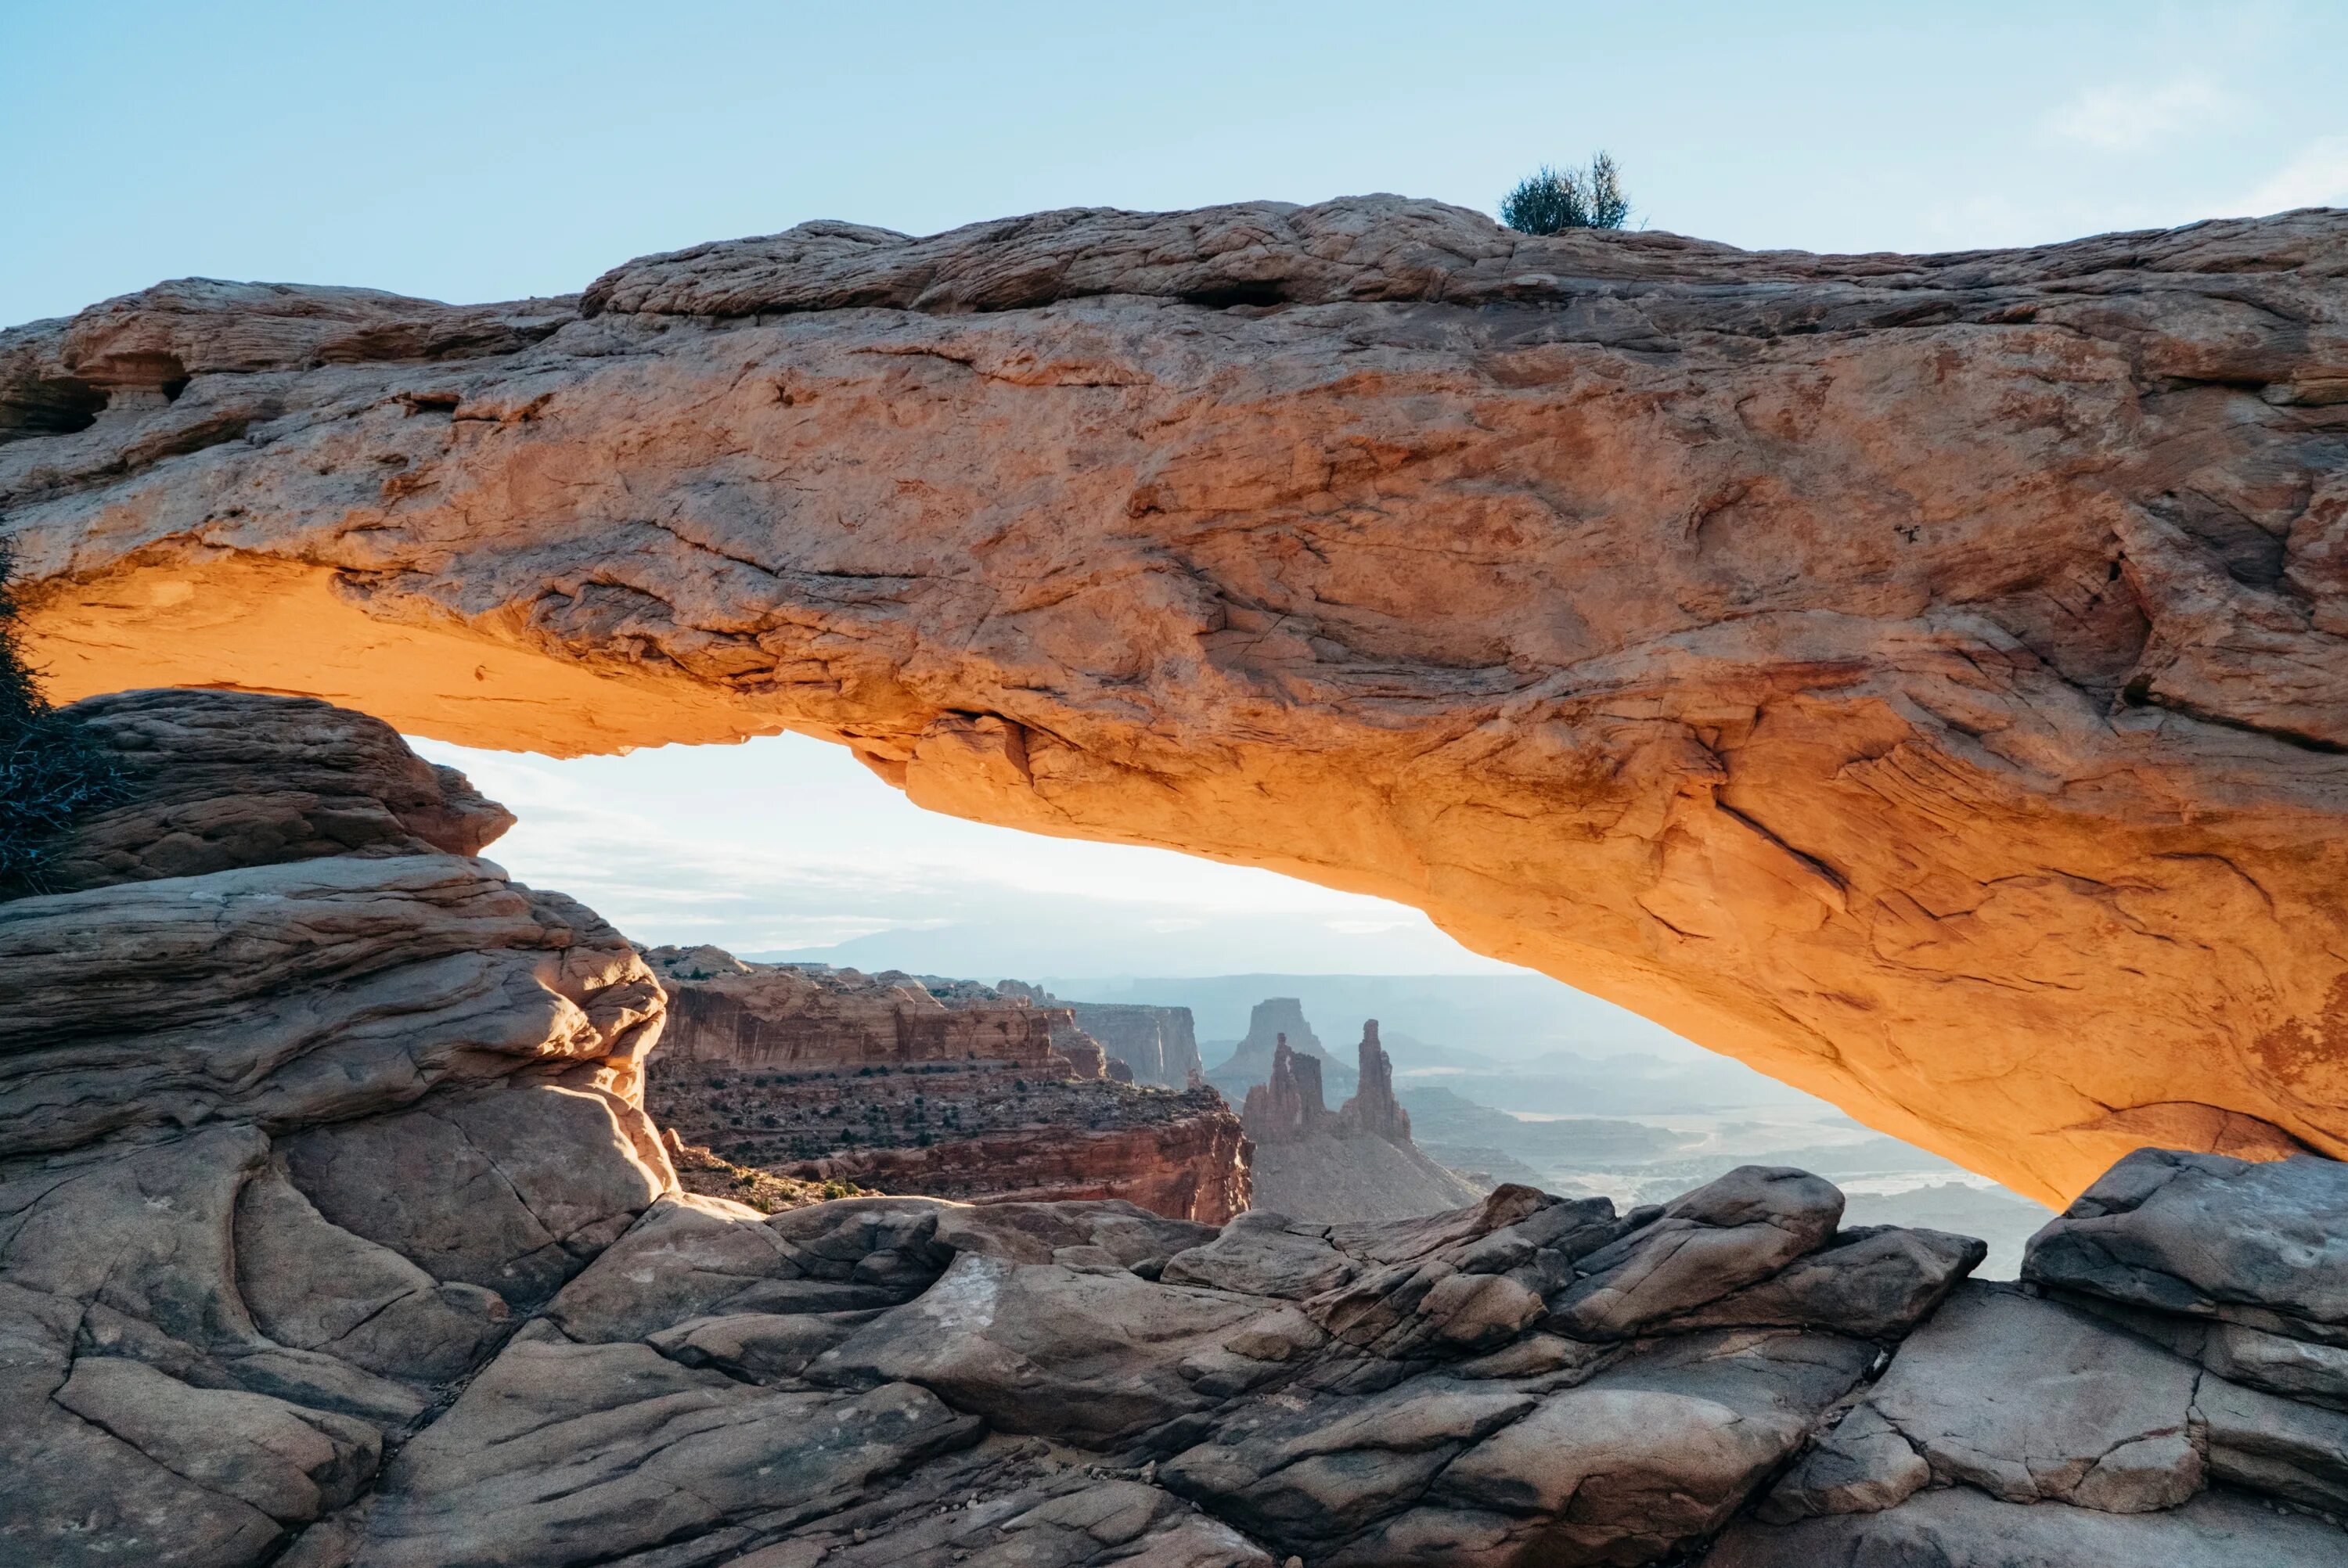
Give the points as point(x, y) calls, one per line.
point(1922, 677)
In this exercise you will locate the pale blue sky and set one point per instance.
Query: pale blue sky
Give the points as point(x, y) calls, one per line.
point(490, 150)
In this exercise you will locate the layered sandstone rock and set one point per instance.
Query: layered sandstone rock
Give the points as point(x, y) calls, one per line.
point(734, 1013)
point(1922, 677)
point(206, 781)
point(290, 1139)
point(2179, 1335)
point(944, 1088)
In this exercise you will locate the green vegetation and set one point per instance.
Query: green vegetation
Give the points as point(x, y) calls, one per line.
point(51, 773)
point(1553, 199)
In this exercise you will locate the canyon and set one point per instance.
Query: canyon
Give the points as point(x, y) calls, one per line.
point(1920, 677)
point(334, 1233)
point(943, 1088)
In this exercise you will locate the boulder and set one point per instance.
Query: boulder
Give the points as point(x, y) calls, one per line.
point(2262, 1244)
point(2023, 1400)
point(1732, 1233)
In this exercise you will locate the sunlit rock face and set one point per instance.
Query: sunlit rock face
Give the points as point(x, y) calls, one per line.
point(1921, 677)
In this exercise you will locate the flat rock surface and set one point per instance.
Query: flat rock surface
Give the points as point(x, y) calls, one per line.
point(1963, 1529)
point(1922, 677)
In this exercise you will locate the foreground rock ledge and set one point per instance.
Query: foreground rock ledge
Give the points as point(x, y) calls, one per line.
point(1922, 677)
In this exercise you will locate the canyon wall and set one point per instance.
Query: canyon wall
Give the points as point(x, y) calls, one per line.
point(1160, 1043)
point(946, 1088)
point(725, 1011)
point(1925, 678)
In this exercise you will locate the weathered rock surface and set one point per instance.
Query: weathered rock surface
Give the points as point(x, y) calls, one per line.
point(1922, 677)
point(736, 1013)
point(299, 1114)
point(945, 1088)
point(214, 780)
point(355, 1257)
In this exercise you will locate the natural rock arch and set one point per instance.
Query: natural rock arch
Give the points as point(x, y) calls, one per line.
point(1921, 677)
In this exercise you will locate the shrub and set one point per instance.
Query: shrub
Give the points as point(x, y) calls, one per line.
point(51, 772)
point(1552, 199)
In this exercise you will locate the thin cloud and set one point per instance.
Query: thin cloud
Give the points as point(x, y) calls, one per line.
point(2317, 177)
point(2129, 118)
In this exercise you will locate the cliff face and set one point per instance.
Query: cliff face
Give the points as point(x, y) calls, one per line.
point(726, 1011)
point(945, 1088)
point(1189, 1161)
point(1160, 1043)
point(1922, 677)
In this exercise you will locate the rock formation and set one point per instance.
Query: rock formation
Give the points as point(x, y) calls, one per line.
point(1160, 1043)
point(332, 1236)
point(1354, 1163)
point(1921, 677)
point(1287, 1105)
point(2177, 1348)
point(732, 1013)
point(1373, 1112)
point(946, 1088)
point(1272, 1022)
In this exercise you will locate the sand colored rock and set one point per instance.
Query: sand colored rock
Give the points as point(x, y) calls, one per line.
point(1921, 677)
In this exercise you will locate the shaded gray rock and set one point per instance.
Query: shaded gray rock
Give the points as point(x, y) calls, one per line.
point(2025, 1399)
point(1264, 1253)
point(1097, 1358)
point(693, 1257)
point(1732, 1233)
point(290, 994)
point(290, 1463)
point(1658, 1449)
point(508, 1189)
point(2294, 1452)
point(563, 1453)
point(315, 1285)
point(1877, 1282)
point(2264, 1245)
point(1961, 1528)
point(73, 1494)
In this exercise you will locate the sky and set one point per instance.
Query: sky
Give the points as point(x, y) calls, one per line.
point(491, 150)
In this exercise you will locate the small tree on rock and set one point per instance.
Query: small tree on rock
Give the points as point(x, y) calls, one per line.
point(1551, 199)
